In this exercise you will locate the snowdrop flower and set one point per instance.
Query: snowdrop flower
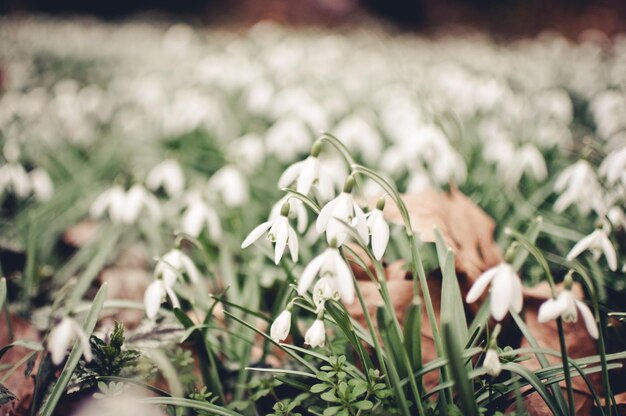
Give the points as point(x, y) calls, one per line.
point(316, 335)
point(125, 207)
point(307, 173)
point(111, 201)
point(578, 184)
point(598, 243)
point(169, 175)
point(197, 216)
point(527, 159)
point(42, 185)
point(491, 363)
point(287, 138)
point(329, 264)
point(378, 229)
point(280, 327)
point(567, 306)
point(280, 232)
point(62, 336)
point(506, 290)
point(155, 295)
point(325, 289)
point(173, 264)
point(613, 167)
point(13, 176)
point(231, 185)
point(339, 211)
point(297, 211)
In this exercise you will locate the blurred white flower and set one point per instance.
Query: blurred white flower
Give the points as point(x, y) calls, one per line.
point(42, 185)
point(506, 290)
point(613, 167)
point(329, 264)
point(125, 207)
point(567, 306)
point(231, 185)
point(173, 264)
point(280, 232)
point(598, 243)
point(281, 326)
point(577, 184)
point(491, 363)
point(168, 175)
point(13, 177)
point(527, 159)
point(63, 336)
point(316, 335)
point(198, 216)
point(247, 152)
point(360, 137)
point(155, 295)
point(287, 139)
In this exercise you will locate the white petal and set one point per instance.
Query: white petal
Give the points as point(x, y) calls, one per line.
point(84, 340)
point(551, 309)
point(59, 340)
point(501, 294)
point(282, 234)
point(581, 246)
point(344, 280)
point(361, 224)
point(589, 319)
point(309, 273)
point(380, 236)
point(309, 173)
point(325, 215)
point(172, 295)
point(609, 252)
point(256, 233)
point(280, 327)
point(517, 302)
point(215, 227)
point(190, 267)
point(153, 297)
point(480, 285)
point(293, 244)
point(290, 175)
point(133, 203)
point(192, 221)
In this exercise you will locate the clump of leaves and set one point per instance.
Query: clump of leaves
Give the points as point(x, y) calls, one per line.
point(109, 358)
point(347, 395)
point(288, 407)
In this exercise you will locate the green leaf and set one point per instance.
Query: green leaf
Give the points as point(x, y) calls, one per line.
point(90, 323)
point(3, 291)
point(320, 387)
point(413, 334)
point(459, 371)
point(536, 383)
point(31, 345)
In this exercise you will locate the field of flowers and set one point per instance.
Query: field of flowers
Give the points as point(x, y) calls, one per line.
point(301, 221)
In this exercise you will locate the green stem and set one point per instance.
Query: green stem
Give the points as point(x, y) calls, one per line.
point(566, 372)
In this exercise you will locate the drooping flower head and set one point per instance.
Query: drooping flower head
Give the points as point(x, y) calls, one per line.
point(598, 243)
point(61, 338)
point(378, 229)
point(307, 173)
point(280, 232)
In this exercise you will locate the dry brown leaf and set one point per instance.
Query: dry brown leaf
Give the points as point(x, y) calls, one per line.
point(22, 387)
point(465, 228)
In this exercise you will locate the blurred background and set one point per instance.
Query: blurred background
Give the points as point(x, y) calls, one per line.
point(508, 18)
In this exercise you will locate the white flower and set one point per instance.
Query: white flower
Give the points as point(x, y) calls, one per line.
point(280, 327)
point(169, 175)
point(526, 159)
point(173, 264)
point(491, 363)
point(62, 336)
point(316, 335)
point(613, 167)
point(329, 264)
point(287, 138)
point(297, 211)
point(578, 184)
point(231, 185)
point(125, 207)
point(379, 230)
point(111, 201)
point(338, 212)
point(506, 290)
point(567, 306)
point(155, 295)
point(42, 185)
point(13, 176)
point(324, 289)
point(306, 174)
point(598, 243)
point(280, 232)
point(197, 216)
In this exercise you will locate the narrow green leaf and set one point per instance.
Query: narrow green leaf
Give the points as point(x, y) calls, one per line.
point(459, 371)
point(536, 383)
